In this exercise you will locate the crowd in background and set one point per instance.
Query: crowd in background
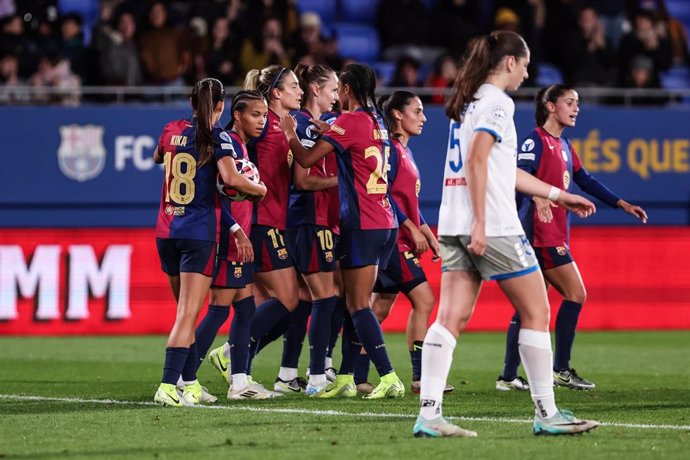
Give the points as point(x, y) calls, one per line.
point(611, 43)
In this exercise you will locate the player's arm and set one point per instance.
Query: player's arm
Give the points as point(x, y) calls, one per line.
point(158, 155)
point(305, 157)
point(303, 181)
point(477, 170)
point(527, 183)
point(233, 179)
point(589, 184)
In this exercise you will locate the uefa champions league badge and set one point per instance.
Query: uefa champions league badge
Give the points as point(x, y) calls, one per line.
point(81, 155)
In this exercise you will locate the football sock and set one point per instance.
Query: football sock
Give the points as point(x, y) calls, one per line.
point(437, 356)
point(535, 351)
point(337, 320)
point(320, 334)
point(371, 336)
point(512, 356)
point(287, 373)
point(351, 347)
point(416, 359)
point(239, 381)
point(267, 315)
point(175, 358)
point(362, 369)
point(208, 328)
point(191, 364)
point(294, 336)
point(566, 323)
point(239, 335)
point(278, 330)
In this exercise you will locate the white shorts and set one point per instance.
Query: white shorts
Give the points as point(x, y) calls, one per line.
point(504, 257)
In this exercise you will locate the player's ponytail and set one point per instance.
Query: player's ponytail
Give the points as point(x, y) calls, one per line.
point(362, 82)
point(205, 96)
point(308, 75)
point(548, 94)
point(483, 55)
point(265, 80)
point(397, 100)
point(240, 102)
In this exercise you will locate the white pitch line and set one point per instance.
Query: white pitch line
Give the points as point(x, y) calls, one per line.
point(285, 410)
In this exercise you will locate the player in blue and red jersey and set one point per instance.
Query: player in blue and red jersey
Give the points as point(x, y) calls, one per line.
point(404, 114)
point(193, 152)
point(548, 155)
point(275, 274)
point(368, 227)
point(310, 240)
point(233, 281)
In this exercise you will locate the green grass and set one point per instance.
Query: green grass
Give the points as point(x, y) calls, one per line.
point(642, 378)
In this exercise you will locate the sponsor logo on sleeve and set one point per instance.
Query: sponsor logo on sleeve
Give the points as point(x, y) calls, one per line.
point(225, 136)
point(528, 145)
point(526, 156)
point(338, 129)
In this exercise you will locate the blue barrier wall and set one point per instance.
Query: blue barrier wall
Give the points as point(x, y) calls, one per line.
point(92, 166)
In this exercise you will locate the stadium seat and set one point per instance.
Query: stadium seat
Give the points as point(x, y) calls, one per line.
point(548, 74)
point(357, 42)
point(679, 9)
point(384, 71)
point(327, 9)
point(676, 78)
point(359, 11)
point(87, 9)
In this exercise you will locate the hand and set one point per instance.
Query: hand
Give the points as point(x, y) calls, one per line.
point(435, 249)
point(633, 210)
point(543, 207)
point(320, 125)
point(577, 204)
point(260, 196)
point(245, 251)
point(477, 238)
point(420, 243)
point(288, 124)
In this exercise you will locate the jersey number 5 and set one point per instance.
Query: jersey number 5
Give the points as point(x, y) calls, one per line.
point(373, 185)
point(175, 190)
point(454, 143)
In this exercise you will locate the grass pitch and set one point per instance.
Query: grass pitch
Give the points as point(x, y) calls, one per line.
point(92, 398)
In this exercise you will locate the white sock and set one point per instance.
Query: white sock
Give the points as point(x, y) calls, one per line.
point(536, 356)
point(329, 363)
point(437, 356)
point(239, 381)
point(317, 380)
point(226, 350)
point(287, 373)
point(189, 383)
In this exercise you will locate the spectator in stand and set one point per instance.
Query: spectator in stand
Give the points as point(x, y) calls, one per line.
point(163, 50)
point(198, 46)
point(119, 60)
point(403, 25)
point(73, 48)
point(223, 52)
point(13, 41)
point(406, 73)
point(591, 57)
point(264, 48)
point(54, 71)
point(10, 80)
point(258, 11)
point(309, 41)
point(641, 75)
point(644, 40)
point(455, 22)
point(669, 28)
point(443, 76)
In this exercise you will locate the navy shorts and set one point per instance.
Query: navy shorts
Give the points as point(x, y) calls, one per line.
point(553, 256)
point(402, 274)
point(270, 251)
point(232, 275)
point(359, 248)
point(189, 256)
point(312, 248)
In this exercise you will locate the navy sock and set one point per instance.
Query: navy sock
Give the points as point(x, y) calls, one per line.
point(362, 369)
point(416, 360)
point(267, 315)
point(351, 347)
point(337, 320)
point(208, 329)
point(239, 334)
point(370, 334)
point(278, 330)
point(175, 359)
point(512, 357)
point(191, 364)
point(320, 333)
point(294, 336)
point(566, 323)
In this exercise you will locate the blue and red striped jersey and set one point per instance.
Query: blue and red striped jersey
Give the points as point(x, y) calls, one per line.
point(405, 186)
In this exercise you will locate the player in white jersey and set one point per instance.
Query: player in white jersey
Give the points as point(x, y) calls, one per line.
point(481, 236)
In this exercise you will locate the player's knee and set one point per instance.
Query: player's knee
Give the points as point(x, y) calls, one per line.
point(577, 295)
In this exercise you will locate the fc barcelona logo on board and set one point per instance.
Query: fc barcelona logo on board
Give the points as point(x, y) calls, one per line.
point(81, 155)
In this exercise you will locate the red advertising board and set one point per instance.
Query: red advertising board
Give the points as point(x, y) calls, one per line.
point(108, 281)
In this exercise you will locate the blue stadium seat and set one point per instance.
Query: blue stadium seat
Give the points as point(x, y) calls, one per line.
point(357, 42)
point(327, 9)
point(548, 74)
point(679, 9)
point(676, 78)
point(87, 9)
point(384, 71)
point(359, 11)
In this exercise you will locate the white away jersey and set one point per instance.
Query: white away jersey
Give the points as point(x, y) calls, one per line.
point(492, 112)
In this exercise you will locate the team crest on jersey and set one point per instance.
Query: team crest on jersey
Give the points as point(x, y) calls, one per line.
point(328, 255)
point(417, 187)
point(566, 180)
point(282, 254)
point(81, 155)
point(290, 158)
point(561, 250)
point(238, 272)
point(528, 145)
